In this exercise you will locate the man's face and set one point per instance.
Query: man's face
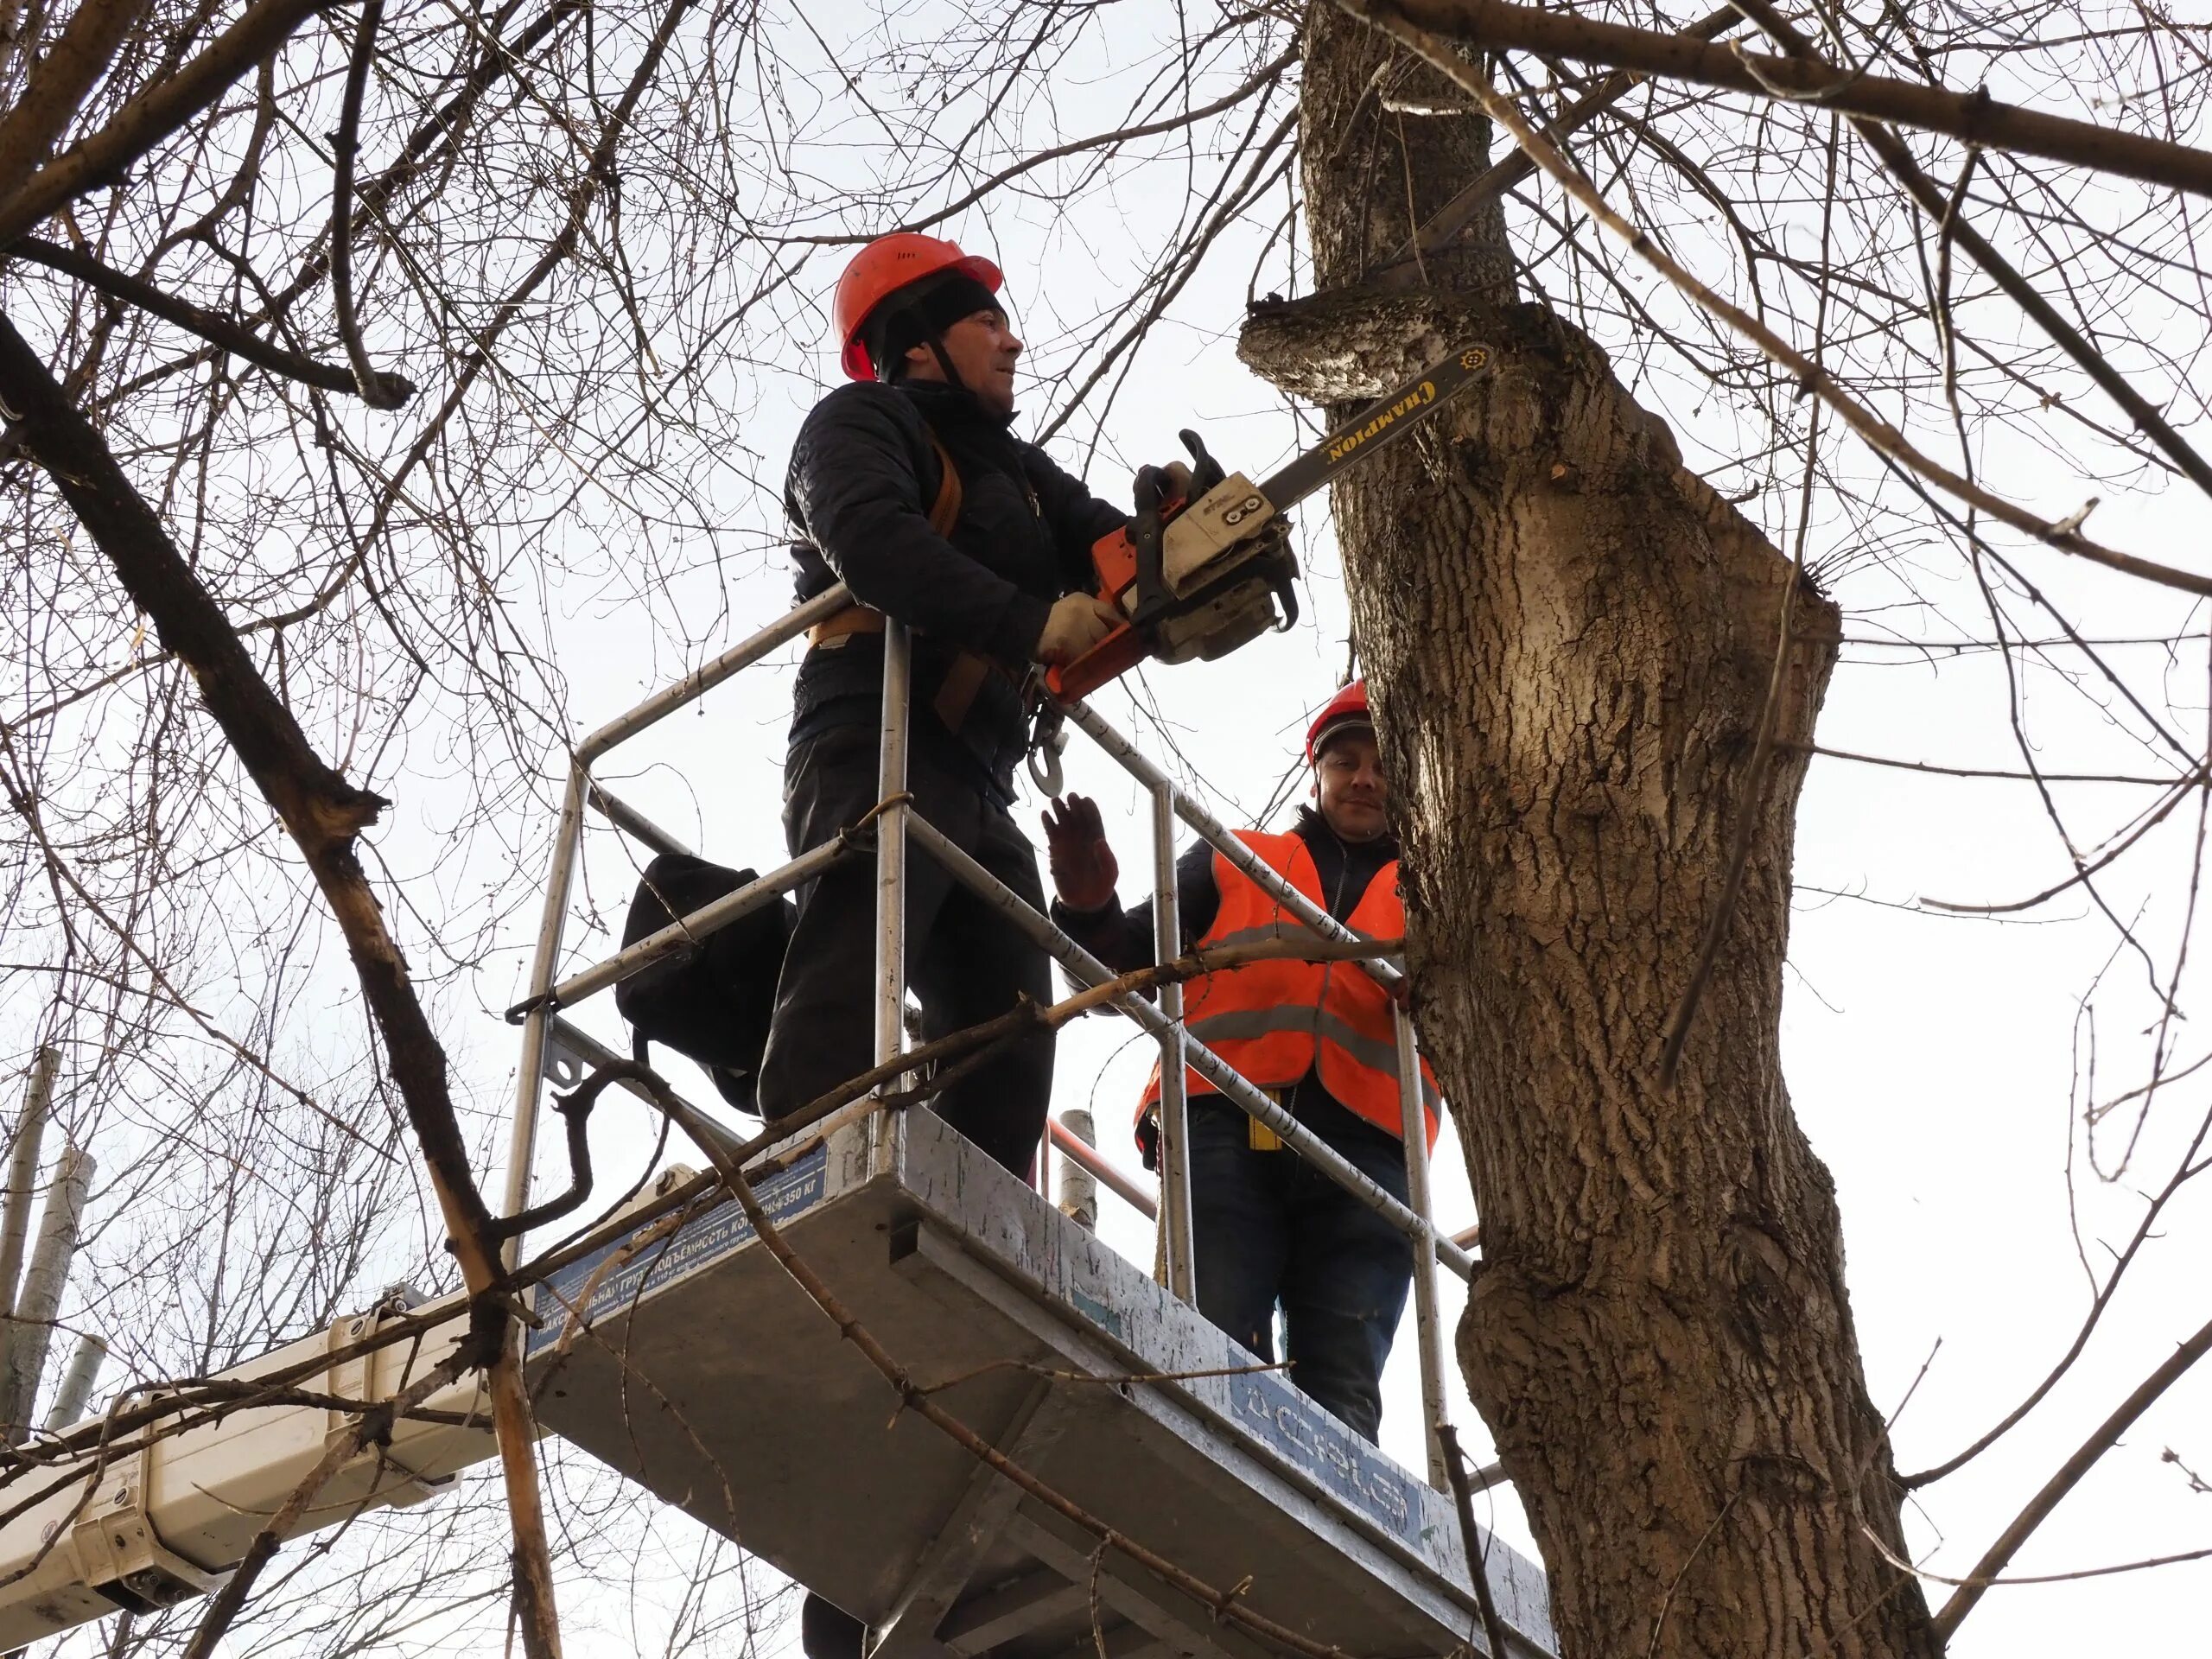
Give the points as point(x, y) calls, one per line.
point(983, 347)
point(1353, 798)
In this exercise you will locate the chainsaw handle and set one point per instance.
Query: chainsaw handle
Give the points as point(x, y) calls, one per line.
point(1206, 471)
point(1145, 535)
point(1104, 662)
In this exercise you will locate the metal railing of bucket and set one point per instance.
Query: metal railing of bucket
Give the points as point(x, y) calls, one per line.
point(551, 1043)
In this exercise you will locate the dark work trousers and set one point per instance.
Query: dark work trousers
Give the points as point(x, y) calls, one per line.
point(1268, 1227)
point(965, 960)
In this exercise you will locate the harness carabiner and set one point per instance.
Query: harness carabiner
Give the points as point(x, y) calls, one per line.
point(1048, 741)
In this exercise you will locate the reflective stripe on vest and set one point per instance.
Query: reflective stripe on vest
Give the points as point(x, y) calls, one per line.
point(1276, 1021)
point(1244, 1024)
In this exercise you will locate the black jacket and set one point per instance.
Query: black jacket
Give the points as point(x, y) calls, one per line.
point(1122, 940)
point(863, 477)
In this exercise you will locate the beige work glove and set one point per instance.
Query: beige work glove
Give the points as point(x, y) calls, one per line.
point(1077, 623)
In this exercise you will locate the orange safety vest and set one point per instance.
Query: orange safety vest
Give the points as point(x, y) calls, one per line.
point(1274, 1021)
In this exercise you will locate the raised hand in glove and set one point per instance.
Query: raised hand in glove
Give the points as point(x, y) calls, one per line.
point(1077, 623)
point(1083, 866)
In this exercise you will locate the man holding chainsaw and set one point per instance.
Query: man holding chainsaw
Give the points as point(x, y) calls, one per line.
point(1268, 1229)
point(909, 487)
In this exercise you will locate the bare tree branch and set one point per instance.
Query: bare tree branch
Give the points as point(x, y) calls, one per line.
point(58, 84)
point(1878, 434)
point(373, 1427)
point(2068, 1475)
point(1940, 211)
point(102, 157)
point(393, 389)
point(1973, 117)
point(1449, 220)
point(324, 814)
point(345, 147)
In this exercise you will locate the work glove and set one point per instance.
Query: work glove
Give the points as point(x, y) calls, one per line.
point(1174, 486)
point(1077, 623)
point(1083, 866)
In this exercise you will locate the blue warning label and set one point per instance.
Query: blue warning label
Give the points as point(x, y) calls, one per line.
point(1277, 1415)
point(650, 1258)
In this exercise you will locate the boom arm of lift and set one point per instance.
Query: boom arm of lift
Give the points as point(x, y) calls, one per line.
point(166, 1511)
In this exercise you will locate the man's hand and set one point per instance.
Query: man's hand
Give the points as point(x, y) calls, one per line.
point(1084, 869)
point(1077, 623)
point(1175, 481)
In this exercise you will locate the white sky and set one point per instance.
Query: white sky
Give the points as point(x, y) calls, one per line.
point(1934, 1063)
point(1930, 1060)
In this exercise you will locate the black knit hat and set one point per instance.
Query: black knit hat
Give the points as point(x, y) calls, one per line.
point(916, 315)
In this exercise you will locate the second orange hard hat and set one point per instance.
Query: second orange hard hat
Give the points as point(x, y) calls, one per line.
point(1347, 708)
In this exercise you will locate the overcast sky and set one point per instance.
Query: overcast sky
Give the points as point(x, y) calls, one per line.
point(1940, 1065)
point(1934, 1063)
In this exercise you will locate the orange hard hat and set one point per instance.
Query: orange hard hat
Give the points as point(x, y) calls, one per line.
point(880, 269)
point(1347, 708)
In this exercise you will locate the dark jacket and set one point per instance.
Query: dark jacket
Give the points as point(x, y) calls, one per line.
point(1123, 939)
point(863, 477)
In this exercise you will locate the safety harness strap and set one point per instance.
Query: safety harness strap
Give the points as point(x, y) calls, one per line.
point(957, 694)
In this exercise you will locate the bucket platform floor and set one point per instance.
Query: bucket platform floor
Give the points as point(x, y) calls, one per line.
point(687, 1359)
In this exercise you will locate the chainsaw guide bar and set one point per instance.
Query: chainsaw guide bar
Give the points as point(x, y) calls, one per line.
point(1197, 579)
point(1390, 417)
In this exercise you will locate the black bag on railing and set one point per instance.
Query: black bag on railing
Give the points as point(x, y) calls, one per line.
point(709, 1001)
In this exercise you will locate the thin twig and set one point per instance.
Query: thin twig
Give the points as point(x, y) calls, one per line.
point(1993, 1560)
point(1750, 804)
point(1463, 1495)
point(372, 1426)
point(1123, 1379)
point(1934, 770)
point(2067, 1577)
point(1667, 1602)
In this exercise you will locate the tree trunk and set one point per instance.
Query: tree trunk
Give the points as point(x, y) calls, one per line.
point(1569, 640)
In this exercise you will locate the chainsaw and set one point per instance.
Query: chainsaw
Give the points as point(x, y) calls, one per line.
point(1206, 566)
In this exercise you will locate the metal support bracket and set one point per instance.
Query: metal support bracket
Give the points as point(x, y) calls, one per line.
point(122, 1557)
point(973, 1525)
point(355, 1378)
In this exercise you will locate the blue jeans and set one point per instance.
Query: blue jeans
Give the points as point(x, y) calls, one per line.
point(1268, 1228)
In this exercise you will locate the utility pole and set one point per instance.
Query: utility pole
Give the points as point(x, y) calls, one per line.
point(30, 1301)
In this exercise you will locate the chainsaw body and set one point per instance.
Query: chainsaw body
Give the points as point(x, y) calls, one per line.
point(1194, 581)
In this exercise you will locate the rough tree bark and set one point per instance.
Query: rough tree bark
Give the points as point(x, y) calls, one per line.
point(1569, 639)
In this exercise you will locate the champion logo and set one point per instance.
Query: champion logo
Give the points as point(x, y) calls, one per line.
point(1420, 397)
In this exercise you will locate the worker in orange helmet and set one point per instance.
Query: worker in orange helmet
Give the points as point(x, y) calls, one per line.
point(1267, 1230)
point(908, 486)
